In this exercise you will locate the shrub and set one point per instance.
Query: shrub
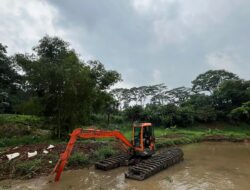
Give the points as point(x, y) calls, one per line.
point(20, 119)
point(30, 107)
point(117, 119)
point(103, 153)
point(28, 167)
point(241, 113)
point(78, 159)
point(14, 141)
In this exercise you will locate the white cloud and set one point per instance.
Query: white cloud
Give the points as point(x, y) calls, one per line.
point(225, 59)
point(175, 21)
point(123, 84)
point(24, 22)
point(157, 78)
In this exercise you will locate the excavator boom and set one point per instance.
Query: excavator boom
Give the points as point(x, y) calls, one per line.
point(87, 134)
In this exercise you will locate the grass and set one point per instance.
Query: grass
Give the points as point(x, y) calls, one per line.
point(103, 152)
point(25, 140)
point(20, 119)
point(78, 159)
point(28, 168)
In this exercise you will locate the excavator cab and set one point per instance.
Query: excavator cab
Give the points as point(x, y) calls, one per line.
point(143, 139)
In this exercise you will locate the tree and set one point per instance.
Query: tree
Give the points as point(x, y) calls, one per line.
point(201, 107)
point(159, 94)
point(126, 97)
point(210, 80)
point(134, 94)
point(103, 78)
point(241, 113)
point(10, 82)
point(179, 95)
point(134, 113)
point(66, 87)
point(4, 102)
point(169, 115)
point(231, 94)
point(117, 93)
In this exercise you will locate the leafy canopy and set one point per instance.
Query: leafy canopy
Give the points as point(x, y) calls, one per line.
point(210, 80)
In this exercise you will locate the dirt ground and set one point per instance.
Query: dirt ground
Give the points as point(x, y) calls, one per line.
point(47, 161)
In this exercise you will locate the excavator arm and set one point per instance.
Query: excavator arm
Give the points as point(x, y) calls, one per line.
point(86, 134)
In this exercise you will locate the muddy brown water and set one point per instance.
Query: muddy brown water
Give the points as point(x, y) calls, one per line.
point(207, 165)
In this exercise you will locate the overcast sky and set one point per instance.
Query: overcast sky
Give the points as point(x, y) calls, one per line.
point(147, 41)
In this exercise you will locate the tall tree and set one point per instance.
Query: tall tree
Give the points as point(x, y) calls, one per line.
point(179, 95)
point(159, 94)
point(103, 78)
point(210, 80)
point(117, 93)
point(67, 87)
point(10, 81)
point(232, 94)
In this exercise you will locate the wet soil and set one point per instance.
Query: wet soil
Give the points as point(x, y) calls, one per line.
point(47, 160)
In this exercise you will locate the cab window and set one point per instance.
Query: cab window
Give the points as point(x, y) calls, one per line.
point(137, 135)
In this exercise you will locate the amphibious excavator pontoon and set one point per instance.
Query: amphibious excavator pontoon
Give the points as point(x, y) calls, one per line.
point(139, 153)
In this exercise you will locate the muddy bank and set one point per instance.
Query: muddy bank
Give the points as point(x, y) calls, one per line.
point(23, 167)
point(219, 138)
point(181, 139)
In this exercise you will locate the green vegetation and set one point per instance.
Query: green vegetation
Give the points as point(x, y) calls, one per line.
point(166, 137)
point(84, 154)
point(15, 119)
point(241, 113)
point(28, 167)
point(104, 152)
point(78, 159)
point(25, 140)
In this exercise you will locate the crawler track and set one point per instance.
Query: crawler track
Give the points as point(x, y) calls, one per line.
point(112, 162)
point(155, 164)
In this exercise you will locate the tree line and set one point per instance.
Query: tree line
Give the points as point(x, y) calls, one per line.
point(216, 95)
point(53, 82)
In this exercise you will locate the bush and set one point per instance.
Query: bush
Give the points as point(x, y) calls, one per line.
point(20, 119)
point(134, 113)
point(30, 107)
point(28, 167)
point(14, 141)
point(186, 117)
point(241, 113)
point(103, 153)
point(117, 119)
point(78, 159)
point(14, 130)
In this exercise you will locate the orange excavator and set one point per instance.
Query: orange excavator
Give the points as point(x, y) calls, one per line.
point(141, 146)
